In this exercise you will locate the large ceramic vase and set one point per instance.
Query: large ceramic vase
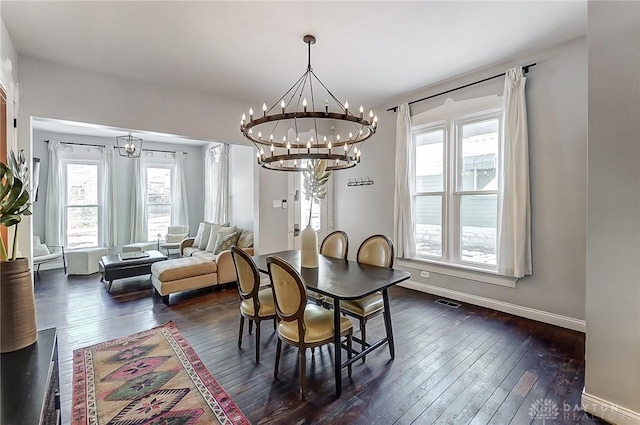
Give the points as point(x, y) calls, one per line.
point(17, 306)
point(309, 251)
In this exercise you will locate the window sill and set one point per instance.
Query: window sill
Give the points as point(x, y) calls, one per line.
point(464, 272)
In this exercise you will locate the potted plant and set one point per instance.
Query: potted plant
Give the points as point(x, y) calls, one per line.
point(315, 189)
point(17, 309)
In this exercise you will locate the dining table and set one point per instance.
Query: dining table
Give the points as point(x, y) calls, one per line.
point(343, 280)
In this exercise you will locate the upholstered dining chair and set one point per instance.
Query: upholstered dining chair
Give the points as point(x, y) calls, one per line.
point(376, 250)
point(334, 245)
point(256, 304)
point(300, 324)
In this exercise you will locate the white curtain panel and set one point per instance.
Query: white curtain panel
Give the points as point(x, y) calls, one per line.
point(403, 227)
point(54, 232)
point(110, 224)
point(179, 204)
point(216, 184)
point(138, 204)
point(514, 209)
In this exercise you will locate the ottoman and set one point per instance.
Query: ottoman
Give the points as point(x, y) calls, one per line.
point(182, 274)
point(140, 247)
point(84, 261)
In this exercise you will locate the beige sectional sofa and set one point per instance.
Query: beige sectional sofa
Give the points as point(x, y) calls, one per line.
point(197, 268)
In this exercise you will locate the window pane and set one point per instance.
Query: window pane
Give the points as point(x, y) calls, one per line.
point(159, 218)
point(429, 161)
point(478, 228)
point(82, 184)
point(158, 185)
point(479, 155)
point(82, 226)
point(429, 226)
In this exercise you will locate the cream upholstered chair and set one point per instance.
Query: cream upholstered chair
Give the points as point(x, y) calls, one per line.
point(42, 254)
point(300, 324)
point(376, 250)
point(334, 245)
point(175, 235)
point(255, 304)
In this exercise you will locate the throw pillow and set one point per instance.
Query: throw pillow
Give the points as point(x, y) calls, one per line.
point(198, 238)
point(226, 241)
point(40, 250)
point(246, 239)
point(205, 235)
point(215, 231)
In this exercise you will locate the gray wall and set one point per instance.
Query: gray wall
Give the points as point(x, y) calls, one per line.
point(613, 236)
point(557, 107)
point(194, 172)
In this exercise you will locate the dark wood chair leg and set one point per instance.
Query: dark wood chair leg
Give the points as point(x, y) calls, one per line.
point(241, 330)
point(278, 350)
point(303, 370)
point(349, 350)
point(363, 335)
point(165, 298)
point(257, 341)
point(250, 327)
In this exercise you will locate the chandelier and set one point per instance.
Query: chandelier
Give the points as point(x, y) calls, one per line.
point(296, 129)
point(129, 146)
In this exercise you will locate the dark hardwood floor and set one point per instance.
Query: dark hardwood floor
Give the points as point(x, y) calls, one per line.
point(453, 366)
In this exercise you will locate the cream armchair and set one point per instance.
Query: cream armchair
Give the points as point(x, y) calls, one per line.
point(42, 254)
point(175, 235)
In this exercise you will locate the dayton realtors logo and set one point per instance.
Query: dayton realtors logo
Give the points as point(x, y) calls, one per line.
point(544, 409)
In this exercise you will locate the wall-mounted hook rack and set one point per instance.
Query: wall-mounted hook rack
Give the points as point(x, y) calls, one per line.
point(360, 182)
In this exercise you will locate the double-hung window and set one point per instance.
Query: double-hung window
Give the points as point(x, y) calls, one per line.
point(457, 170)
point(158, 200)
point(82, 218)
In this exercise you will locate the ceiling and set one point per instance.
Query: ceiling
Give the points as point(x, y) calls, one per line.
point(367, 52)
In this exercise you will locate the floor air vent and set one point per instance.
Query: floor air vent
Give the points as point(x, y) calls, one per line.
point(448, 303)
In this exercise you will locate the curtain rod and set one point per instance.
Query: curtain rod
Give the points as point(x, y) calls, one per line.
point(115, 147)
point(525, 69)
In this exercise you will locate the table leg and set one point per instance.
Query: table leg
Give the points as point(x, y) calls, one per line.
point(387, 323)
point(337, 361)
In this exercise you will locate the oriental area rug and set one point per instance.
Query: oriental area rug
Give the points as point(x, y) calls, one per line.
point(150, 378)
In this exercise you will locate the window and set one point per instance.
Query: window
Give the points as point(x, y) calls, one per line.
point(158, 201)
point(82, 207)
point(456, 188)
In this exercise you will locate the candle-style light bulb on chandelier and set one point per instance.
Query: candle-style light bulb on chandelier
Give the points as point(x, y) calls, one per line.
point(129, 146)
point(295, 128)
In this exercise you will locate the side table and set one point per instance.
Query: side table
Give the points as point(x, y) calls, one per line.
point(30, 385)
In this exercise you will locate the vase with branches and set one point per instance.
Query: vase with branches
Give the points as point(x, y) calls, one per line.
point(17, 302)
point(315, 189)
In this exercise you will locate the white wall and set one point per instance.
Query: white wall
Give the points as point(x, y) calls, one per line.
point(557, 106)
point(50, 90)
point(194, 170)
point(7, 51)
point(613, 235)
point(241, 169)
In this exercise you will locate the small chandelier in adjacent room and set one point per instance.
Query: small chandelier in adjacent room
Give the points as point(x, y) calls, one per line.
point(129, 146)
point(296, 129)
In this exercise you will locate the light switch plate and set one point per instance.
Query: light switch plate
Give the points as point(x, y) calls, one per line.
point(277, 203)
point(424, 274)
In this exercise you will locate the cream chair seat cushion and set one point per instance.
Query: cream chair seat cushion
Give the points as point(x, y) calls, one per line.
point(364, 306)
point(318, 322)
point(267, 307)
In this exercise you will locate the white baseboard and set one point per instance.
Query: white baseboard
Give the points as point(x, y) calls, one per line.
point(608, 411)
point(518, 310)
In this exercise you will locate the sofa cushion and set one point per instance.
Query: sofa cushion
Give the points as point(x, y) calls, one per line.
point(215, 231)
point(225, 242)
point(205, 236)
point(190, 250)
point(182, 268)
point(198, 238)
point(245, 240)
point(209, 256)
